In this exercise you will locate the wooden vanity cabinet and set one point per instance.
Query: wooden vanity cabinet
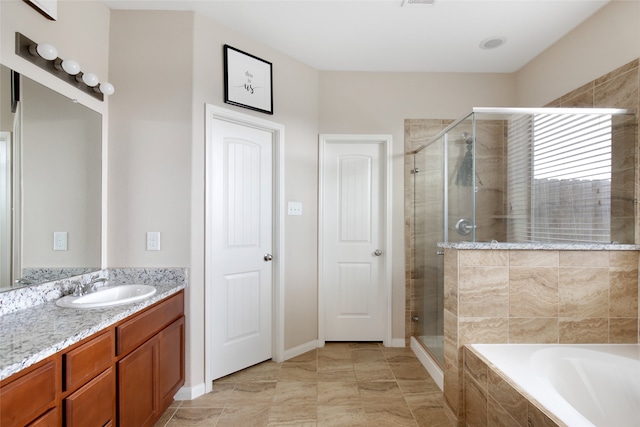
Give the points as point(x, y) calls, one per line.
point(125, 375)
point(149, 374)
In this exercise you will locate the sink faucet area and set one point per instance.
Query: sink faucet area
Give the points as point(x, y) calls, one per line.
point(106, 296)
point(82, 289)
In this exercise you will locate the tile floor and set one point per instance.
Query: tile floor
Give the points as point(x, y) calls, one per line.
point(341, 384)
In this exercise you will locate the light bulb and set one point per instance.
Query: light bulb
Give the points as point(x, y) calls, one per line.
point(71, 67)
point(47, 51)
point(90, 79)
point(107, 88)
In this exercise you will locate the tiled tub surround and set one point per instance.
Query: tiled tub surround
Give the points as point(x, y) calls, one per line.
point(525, 384)
point(39, 328)
point(499, 294)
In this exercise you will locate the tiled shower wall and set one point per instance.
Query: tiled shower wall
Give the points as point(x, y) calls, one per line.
point(535, 296)
point(604, 311)
point(617, 89)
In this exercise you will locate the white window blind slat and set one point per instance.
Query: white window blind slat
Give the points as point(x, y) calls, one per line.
point(559, 178)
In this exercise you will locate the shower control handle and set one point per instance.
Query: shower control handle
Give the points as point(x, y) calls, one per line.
point(377, 252)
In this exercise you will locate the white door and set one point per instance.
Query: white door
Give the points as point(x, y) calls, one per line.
point(239, 223)
point(354, 242)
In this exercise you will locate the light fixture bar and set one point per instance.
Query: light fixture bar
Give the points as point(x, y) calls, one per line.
point(22, 50)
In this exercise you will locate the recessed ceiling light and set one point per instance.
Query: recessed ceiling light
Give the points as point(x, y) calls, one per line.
point(492, 42)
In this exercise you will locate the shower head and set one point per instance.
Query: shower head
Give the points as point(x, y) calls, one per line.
point(467, 137)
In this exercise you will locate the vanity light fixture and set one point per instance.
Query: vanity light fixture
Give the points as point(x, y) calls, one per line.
point(69, 66)
point(45, 50)
point(45, 56)
point(107, 88)
point(89, 79)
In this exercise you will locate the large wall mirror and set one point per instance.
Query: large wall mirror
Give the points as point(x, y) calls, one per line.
point(50, 185)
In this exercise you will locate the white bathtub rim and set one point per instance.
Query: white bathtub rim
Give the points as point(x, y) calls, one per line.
point(513, 361)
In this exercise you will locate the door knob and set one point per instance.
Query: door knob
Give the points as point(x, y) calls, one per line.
point(268, 257)
point(378, 252)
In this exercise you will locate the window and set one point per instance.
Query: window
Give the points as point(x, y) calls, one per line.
point(560, 177)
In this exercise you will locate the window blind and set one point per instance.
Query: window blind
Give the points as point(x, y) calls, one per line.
point(559, 178)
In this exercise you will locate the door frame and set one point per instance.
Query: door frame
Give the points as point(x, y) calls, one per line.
point(386, 198)
point(277, 132)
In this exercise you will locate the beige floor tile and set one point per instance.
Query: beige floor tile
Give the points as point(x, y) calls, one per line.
point(195, 417)
point(373, 371)
point(339, 394)
point(296, 393)
point(389, 413)
point(252, 393)
point(337, 376)
point(310, 356)
point(341, 416)
point(409, 371)
point(166, 416)
point(245, 416)
point(297, 415)
point(375, 392)
point(341, 384)
point(411, 387)
point(305, 371)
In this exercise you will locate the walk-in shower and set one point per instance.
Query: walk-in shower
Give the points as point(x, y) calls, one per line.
point(512, 175)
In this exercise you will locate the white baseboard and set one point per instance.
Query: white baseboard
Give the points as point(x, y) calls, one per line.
point(301, 349)
point(397, 342)
point(190, 393)
point(428, 363)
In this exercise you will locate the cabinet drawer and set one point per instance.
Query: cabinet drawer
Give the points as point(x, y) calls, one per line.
point(92, 404)
point(27, 397)
point(47, 420)
point(85, 362)
point(136, 331)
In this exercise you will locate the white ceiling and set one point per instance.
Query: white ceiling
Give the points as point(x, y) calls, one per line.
point(388, 35)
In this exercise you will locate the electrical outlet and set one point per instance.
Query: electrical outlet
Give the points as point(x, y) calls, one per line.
point(153, 240)
point(59, 240)
point(294, 208)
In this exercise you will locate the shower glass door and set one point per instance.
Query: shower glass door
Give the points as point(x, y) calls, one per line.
point(444, 182)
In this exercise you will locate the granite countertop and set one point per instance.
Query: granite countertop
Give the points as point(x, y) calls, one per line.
point(532, 246)
point(32, 334)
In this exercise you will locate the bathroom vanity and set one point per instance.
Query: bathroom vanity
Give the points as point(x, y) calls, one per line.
point(124, 374)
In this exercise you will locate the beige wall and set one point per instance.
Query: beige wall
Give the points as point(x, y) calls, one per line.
point(606, 41)
point(157, 166)
point(295, 105)
point(367, 102)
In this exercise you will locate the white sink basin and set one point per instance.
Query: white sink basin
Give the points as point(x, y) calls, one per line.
point(108, 296)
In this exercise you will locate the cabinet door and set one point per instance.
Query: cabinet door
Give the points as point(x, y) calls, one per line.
point(137, 386)
point(170, 361)
point(92, 404)
point(25, 398)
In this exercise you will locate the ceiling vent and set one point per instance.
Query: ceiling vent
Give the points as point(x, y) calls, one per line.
point(412, 2)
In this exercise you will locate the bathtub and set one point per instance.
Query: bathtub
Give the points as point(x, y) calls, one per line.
point(580, 384)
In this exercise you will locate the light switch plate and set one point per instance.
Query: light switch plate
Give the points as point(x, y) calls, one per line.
point(153, 240)
point(294, 208)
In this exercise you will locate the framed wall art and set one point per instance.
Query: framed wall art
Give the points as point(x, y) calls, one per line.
point(47, 8)
point(248, 81)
